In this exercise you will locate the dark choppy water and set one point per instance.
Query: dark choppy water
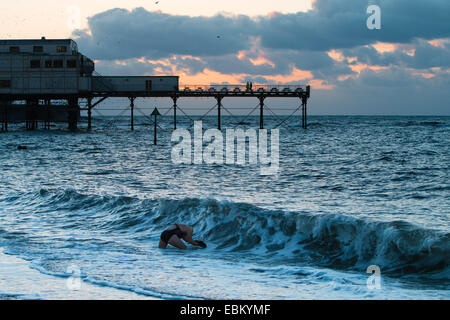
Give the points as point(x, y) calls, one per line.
point(351, 192)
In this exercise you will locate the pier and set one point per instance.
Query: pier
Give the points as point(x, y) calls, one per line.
point(45, 109)
point(219, 93)
point(48, 81)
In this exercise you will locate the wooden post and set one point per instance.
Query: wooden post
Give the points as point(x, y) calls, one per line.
point(261, 112)
point(155, 142)
point(174, 98)
point(219, 106)
point(132, 112)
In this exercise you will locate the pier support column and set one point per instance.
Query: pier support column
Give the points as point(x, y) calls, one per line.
point(31, 114)
point(132, 112)
point(5, 116)
point(47, 115)
point(74, 112)
point(89, 101)
point(174, 112)
point(35, 114)
point(304, 113)
point(28, 115)
point(261, 112)
point(219, 107)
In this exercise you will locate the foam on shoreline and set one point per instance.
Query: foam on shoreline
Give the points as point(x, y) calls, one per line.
point(19, 281)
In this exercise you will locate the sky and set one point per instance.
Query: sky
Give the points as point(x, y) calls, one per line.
point(400, 68)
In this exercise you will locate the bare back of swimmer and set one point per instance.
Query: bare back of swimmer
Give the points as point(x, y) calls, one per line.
point(174, 234)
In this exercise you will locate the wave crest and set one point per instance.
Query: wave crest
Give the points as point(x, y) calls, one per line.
point(331, 240)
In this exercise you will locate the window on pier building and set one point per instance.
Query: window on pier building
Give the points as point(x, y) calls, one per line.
point(57, 63)
point(61, 49)
point(14, 49)
point(5, 84)
point(48, 63)
point(71, 63)
point(35, 64)
point(38, 49)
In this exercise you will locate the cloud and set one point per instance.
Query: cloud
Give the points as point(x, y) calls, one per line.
point(424, 56)
point(290, 48)
point(394, 91)
point(123, 34)
point(335, 24)
point(318, 62)
point(331, 24)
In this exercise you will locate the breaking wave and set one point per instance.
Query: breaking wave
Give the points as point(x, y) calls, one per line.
point(331, 240)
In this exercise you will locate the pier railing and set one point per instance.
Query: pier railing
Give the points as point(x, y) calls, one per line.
point(239, 88)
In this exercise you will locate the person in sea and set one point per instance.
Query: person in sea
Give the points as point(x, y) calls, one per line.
point(174, 234)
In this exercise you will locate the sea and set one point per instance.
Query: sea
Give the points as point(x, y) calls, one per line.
point(358, 209)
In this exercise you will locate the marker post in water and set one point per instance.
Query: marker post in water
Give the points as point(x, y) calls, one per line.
point(155, 114)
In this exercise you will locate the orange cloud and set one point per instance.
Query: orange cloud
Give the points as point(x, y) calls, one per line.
point(437, 43)
point(410, 52)
point(273, 14)
point(320, 84)
point(296, 75)
point(426, 75)
point(261, 60)
point(361, 66)
point(383, 47)
point(209, 76)
point(336, 55)
point(342, 78)
point(241, 54)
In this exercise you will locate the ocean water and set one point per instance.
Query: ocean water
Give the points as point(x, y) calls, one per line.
point(351, 192)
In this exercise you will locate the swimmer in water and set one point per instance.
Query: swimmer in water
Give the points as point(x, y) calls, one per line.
point(175, 234)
